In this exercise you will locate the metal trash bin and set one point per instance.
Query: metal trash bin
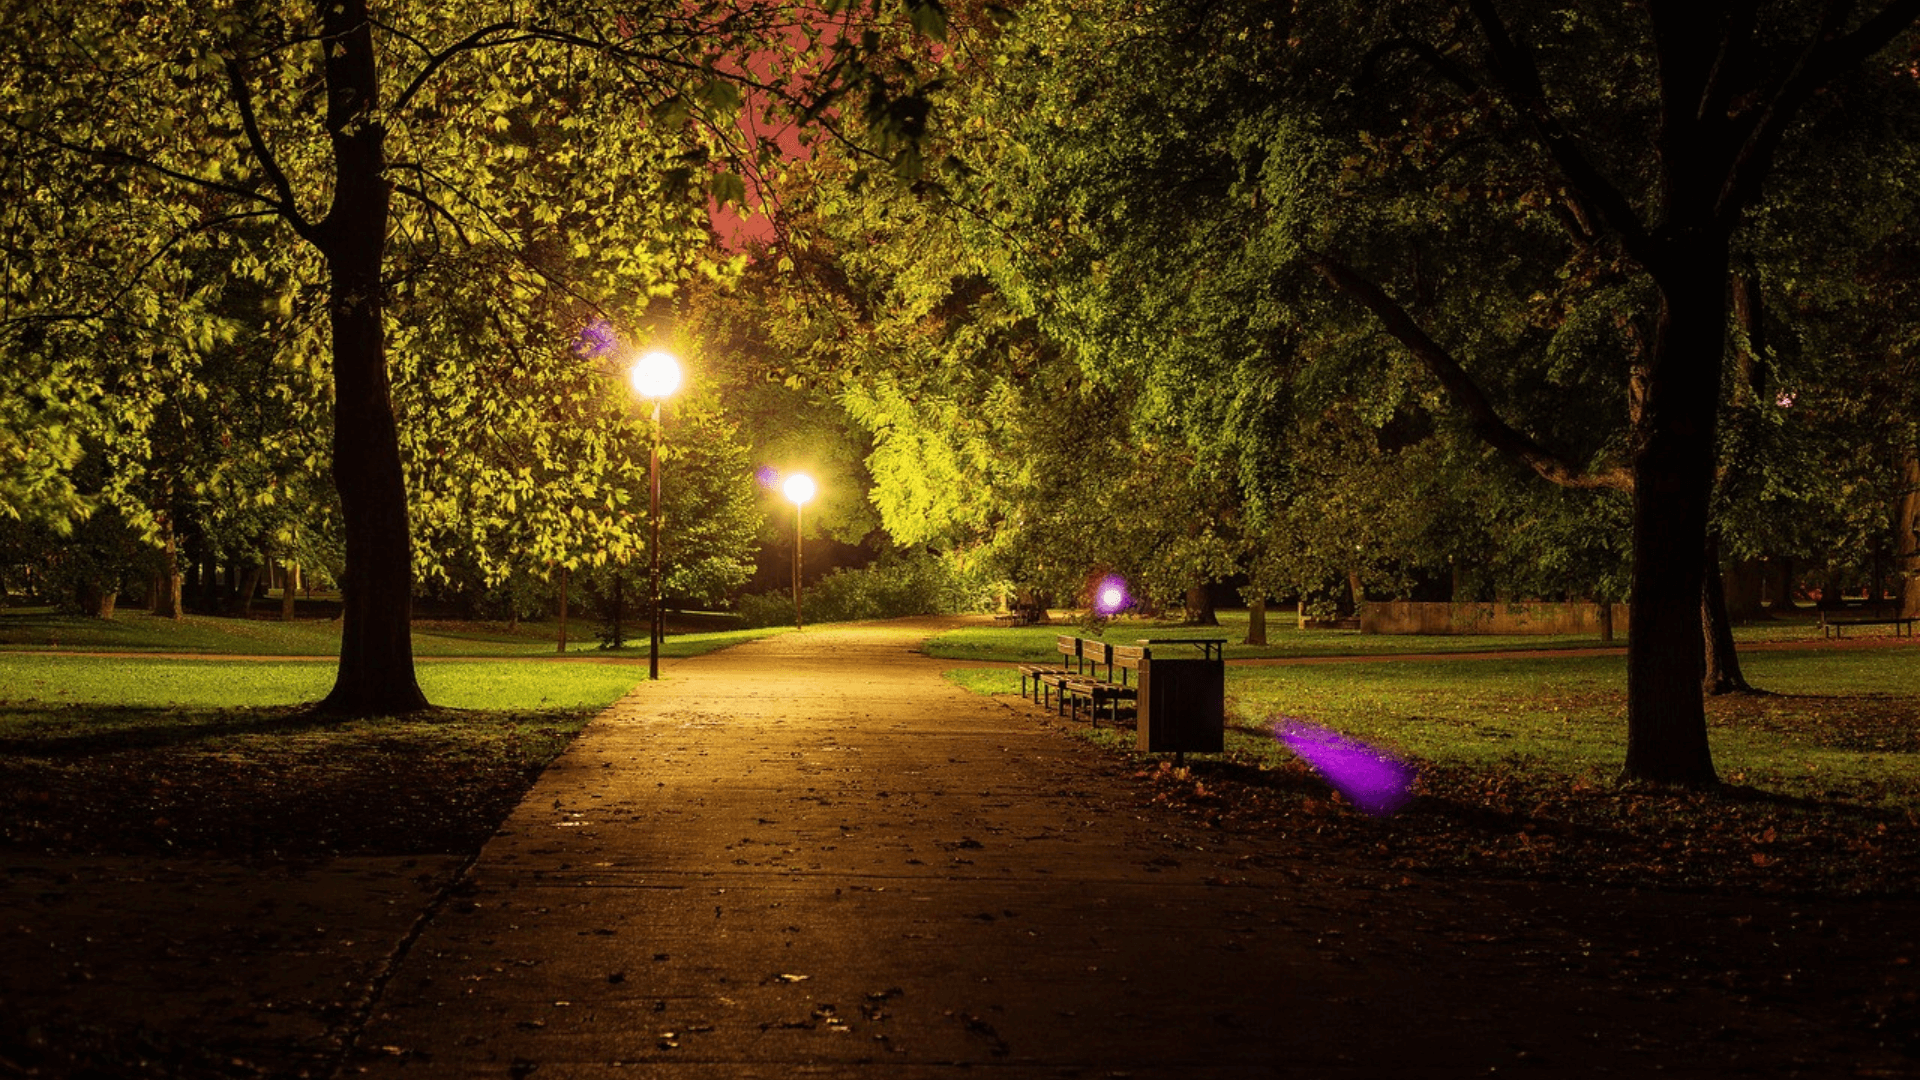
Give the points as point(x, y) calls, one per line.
point(1182, 706)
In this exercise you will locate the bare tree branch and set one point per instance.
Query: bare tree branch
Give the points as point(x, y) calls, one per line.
point(1460, 387)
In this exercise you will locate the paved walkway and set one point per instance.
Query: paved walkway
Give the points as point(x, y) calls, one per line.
point(812, 856)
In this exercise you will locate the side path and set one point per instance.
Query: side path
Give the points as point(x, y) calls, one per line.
point(810, 855)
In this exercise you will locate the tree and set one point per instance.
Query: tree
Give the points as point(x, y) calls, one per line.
point(315, 120)
point(1728, 89)
point(1534, 229)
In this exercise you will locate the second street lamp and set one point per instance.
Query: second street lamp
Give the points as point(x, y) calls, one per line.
point(655, 375)
point(798, 487)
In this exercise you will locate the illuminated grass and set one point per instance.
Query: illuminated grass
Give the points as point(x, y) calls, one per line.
point(137, 631)
point(85, 680)
point(1839, 724)
point(1026, 644)
point(1518, 762)
point(135, 755)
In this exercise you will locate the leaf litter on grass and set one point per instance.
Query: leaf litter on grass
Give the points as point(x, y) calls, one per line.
point(1818, 792)
point(268, 782)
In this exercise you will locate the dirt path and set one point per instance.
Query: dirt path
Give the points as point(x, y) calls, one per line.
point(812, 856)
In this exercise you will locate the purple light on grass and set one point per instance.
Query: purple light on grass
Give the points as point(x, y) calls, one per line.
point(1110, 595)
point(596, 339)
point(1373, 781)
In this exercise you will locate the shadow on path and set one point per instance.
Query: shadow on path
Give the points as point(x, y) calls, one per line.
point(811, 855)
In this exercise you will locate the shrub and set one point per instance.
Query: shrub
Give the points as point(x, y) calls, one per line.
point(922, 583)
point(764, 609)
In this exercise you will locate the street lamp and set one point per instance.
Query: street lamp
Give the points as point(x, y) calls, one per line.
point(654, 376)
point(798, 487)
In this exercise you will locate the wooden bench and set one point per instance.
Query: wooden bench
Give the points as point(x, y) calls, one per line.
point(1902, 625)
point(1097, 683)
point(1046, 678)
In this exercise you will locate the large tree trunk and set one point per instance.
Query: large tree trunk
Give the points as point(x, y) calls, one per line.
point(376, 647)
point(1673, 468)
point(1256, 622)
point(562, 644)
point(1200, 606)
point(1722, 675)
point(166, 593)
point(1906, 533)
point(289, 590)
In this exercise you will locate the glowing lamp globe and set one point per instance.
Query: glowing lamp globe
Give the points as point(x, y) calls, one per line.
point(655, 375)
point(798, 487)
point(1110, 595)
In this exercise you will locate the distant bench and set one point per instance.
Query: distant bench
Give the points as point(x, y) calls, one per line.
point(1902, 625)
point(1085, 674)
point(1097, 684)
point(1094, 674)
point(1039, 682)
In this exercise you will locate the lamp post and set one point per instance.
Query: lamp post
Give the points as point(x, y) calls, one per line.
point(798, 487)
point(654, 376)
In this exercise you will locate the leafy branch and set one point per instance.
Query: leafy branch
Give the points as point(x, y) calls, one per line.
point(1485, 420)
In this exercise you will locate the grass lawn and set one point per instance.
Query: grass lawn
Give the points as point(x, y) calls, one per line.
point(1034, 643)
point(1517, 758)
point(102, 755)
point(137, 631)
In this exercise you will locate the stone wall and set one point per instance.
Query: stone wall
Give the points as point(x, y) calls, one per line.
point(1518, 617)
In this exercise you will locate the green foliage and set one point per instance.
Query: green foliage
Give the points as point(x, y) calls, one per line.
point(188, 210)
point(765, 609)
point(918, 583)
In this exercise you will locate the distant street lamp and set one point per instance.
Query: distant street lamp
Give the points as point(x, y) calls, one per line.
point(655, 375)
point(798, 487)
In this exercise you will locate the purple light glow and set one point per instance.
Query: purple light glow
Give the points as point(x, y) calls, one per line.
point(766, 476)
point(1373, 781)
point(1110, 595)
point(596, 339)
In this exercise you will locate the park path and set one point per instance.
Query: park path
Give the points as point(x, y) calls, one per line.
point(810, 855)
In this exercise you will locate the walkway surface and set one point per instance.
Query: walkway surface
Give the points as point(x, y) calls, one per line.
point(812, 856)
